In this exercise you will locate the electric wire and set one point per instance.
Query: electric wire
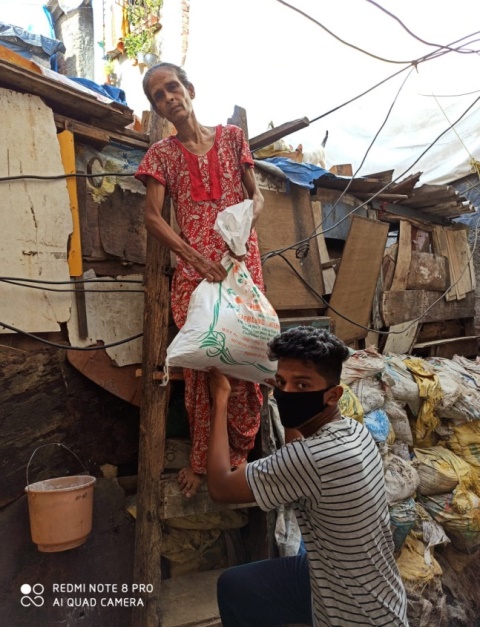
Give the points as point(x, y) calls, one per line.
point(68, 347)
point(44, 281)
point(350, 45)
point(55, 177)
point(403, 25)
point(53, 289)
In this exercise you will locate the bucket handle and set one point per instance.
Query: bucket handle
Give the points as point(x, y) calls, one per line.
point(52, 444)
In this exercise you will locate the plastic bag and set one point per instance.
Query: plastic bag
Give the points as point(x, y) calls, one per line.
point(234, 224)
point(229, 325)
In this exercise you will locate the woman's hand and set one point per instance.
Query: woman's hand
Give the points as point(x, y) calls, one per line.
point(212, 271)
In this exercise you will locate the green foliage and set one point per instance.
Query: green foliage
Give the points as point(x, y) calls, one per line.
point(142, 16)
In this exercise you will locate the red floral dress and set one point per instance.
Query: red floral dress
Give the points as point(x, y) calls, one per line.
point(200, 187)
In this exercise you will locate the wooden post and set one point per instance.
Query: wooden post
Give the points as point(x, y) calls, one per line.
point(148, 531)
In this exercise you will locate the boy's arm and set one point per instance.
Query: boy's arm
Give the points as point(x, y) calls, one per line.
point(224, 484)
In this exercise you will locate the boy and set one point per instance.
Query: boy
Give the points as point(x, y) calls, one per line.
point(333, 476)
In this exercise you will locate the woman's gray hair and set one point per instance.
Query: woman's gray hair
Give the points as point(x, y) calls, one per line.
point(179, 71)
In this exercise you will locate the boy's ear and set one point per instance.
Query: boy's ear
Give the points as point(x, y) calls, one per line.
point(334, 395)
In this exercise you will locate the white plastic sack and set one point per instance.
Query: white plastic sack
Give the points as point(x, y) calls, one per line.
point(369, 392)
point(401, 479)
point(229, 325)
point(234, 224)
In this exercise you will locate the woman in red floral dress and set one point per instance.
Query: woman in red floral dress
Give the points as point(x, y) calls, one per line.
point(203, 169)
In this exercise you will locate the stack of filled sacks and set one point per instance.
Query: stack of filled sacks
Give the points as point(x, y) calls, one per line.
point(425, 417)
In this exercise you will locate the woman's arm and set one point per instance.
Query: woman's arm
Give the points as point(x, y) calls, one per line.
point(253, 191)
point(163, 232)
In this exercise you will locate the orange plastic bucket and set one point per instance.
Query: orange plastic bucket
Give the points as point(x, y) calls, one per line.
point(60, 510)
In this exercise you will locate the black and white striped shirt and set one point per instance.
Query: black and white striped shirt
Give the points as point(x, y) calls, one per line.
point(334, 479)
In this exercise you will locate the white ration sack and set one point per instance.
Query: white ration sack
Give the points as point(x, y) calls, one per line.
point(228, 326)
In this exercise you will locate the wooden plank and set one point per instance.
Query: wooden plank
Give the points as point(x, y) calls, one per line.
point(239, 118)
point(427, 272)
point(99, 368)
point(274, 134)
point(464, 346)
point(286, 219)
point(190, 601)
point(63, 98)
point(455, 265)
point(401, 338)
point(328, 273)
point(397, 307)
point(404, 256)
point(121, 225)
point(362, 259)
point(173, 504)
point(153, 415)
point(444, 329)
point(337, 211)
point(440, 247)
point(100, 135)
point(391, 212)
point(462, 248)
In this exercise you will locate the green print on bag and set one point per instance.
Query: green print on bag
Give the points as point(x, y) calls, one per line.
point(215, 342)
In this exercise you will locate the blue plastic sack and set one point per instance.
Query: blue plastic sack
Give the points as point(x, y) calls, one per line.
point(378, 424)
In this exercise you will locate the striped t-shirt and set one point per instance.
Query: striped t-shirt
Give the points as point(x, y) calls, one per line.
point(334, 479)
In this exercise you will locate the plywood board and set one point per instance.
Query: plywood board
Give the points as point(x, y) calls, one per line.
point(112, 316)
point(286, 219)
point(464, 346)
point(401, 338)
point(440, 247)
point(456, 269)
point(428, 272)
point(34, 214)
point(398, 307)
point(460, 243)
point(328, 274)
point(99, 368)
point(357, 277)
point(404, 255)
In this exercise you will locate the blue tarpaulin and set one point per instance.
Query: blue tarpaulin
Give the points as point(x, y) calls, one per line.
point(114, 93)
point(302, 174)
point(26, 43)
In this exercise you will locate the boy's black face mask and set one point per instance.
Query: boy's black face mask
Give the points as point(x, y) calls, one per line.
point(295, 408)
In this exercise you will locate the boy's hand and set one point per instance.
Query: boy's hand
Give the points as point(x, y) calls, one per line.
point(219, 384)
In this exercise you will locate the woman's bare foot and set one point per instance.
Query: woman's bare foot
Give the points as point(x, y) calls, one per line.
point(189, 482)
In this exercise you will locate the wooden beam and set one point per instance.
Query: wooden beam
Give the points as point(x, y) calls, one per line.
point(100, 135)
point(239, 118)
point(400, 211)
point(398, 307)
point(151, 454)
point(465, 346)
point(63, 97)
point(404, 256)
point(274, 134)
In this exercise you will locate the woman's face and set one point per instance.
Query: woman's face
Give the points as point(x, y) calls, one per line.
point(171, 99)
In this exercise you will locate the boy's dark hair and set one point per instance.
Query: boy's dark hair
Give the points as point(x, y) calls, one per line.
point(179, 71)
point(317, 346)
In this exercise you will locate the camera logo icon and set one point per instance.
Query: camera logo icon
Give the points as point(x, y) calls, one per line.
point(32, 595)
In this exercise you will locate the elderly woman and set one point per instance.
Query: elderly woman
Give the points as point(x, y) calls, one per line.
point(204, 169)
